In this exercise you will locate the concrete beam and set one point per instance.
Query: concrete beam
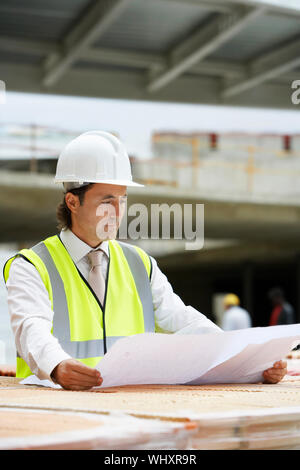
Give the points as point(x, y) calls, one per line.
point(232, 255)
point(36, 10)
point(201, 44)
point(89, 28)
point(27, 46)
point(121, 57)
point(106, 84)
point(28, 205)
point(209, 5)
point(128, 58)
point(158, 62)
point(268, 67)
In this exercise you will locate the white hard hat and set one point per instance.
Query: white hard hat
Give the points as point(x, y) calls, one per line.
point(94, 157)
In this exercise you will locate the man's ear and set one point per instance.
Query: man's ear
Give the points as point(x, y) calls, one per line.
point(72, 202)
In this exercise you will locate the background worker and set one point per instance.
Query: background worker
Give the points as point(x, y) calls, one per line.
point(234, 317)
point(84, 286)
point(282, 312)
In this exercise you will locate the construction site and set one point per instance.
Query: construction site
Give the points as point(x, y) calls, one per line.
point(144, 394)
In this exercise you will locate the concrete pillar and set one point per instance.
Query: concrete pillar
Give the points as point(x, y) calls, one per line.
point(297, 306)
point(33, 160)
point(248, 270)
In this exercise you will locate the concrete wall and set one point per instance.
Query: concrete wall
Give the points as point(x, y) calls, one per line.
point(229, 164)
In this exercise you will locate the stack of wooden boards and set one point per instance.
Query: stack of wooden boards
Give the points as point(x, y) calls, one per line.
point(233, 416)
point(27, 421)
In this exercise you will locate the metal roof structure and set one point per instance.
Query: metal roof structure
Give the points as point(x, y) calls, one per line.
point(230, 52)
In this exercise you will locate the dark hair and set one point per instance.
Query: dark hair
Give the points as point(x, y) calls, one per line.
point(63, 213)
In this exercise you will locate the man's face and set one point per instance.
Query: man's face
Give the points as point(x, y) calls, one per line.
point(100, 215)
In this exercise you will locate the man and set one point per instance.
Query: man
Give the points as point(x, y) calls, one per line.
point(283, 312)
point(234, 317)
point(73, 295)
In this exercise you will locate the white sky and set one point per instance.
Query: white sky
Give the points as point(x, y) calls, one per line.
point(135, 121)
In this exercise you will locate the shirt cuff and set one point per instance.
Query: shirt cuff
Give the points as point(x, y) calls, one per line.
point(48, 362)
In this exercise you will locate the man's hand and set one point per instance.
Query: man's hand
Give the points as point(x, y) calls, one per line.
point(7, 371)
point(73, 375)
point(275, 373)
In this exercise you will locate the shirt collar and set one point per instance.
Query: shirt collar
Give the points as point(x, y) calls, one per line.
point(77, 248)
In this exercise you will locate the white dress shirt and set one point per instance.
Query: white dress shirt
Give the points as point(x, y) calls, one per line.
point(236, 318)
point(31, 314)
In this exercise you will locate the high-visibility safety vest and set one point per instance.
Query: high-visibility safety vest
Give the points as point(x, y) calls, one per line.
point(84, 328)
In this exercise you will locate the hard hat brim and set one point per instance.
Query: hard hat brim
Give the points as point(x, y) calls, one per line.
point(112, 182)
